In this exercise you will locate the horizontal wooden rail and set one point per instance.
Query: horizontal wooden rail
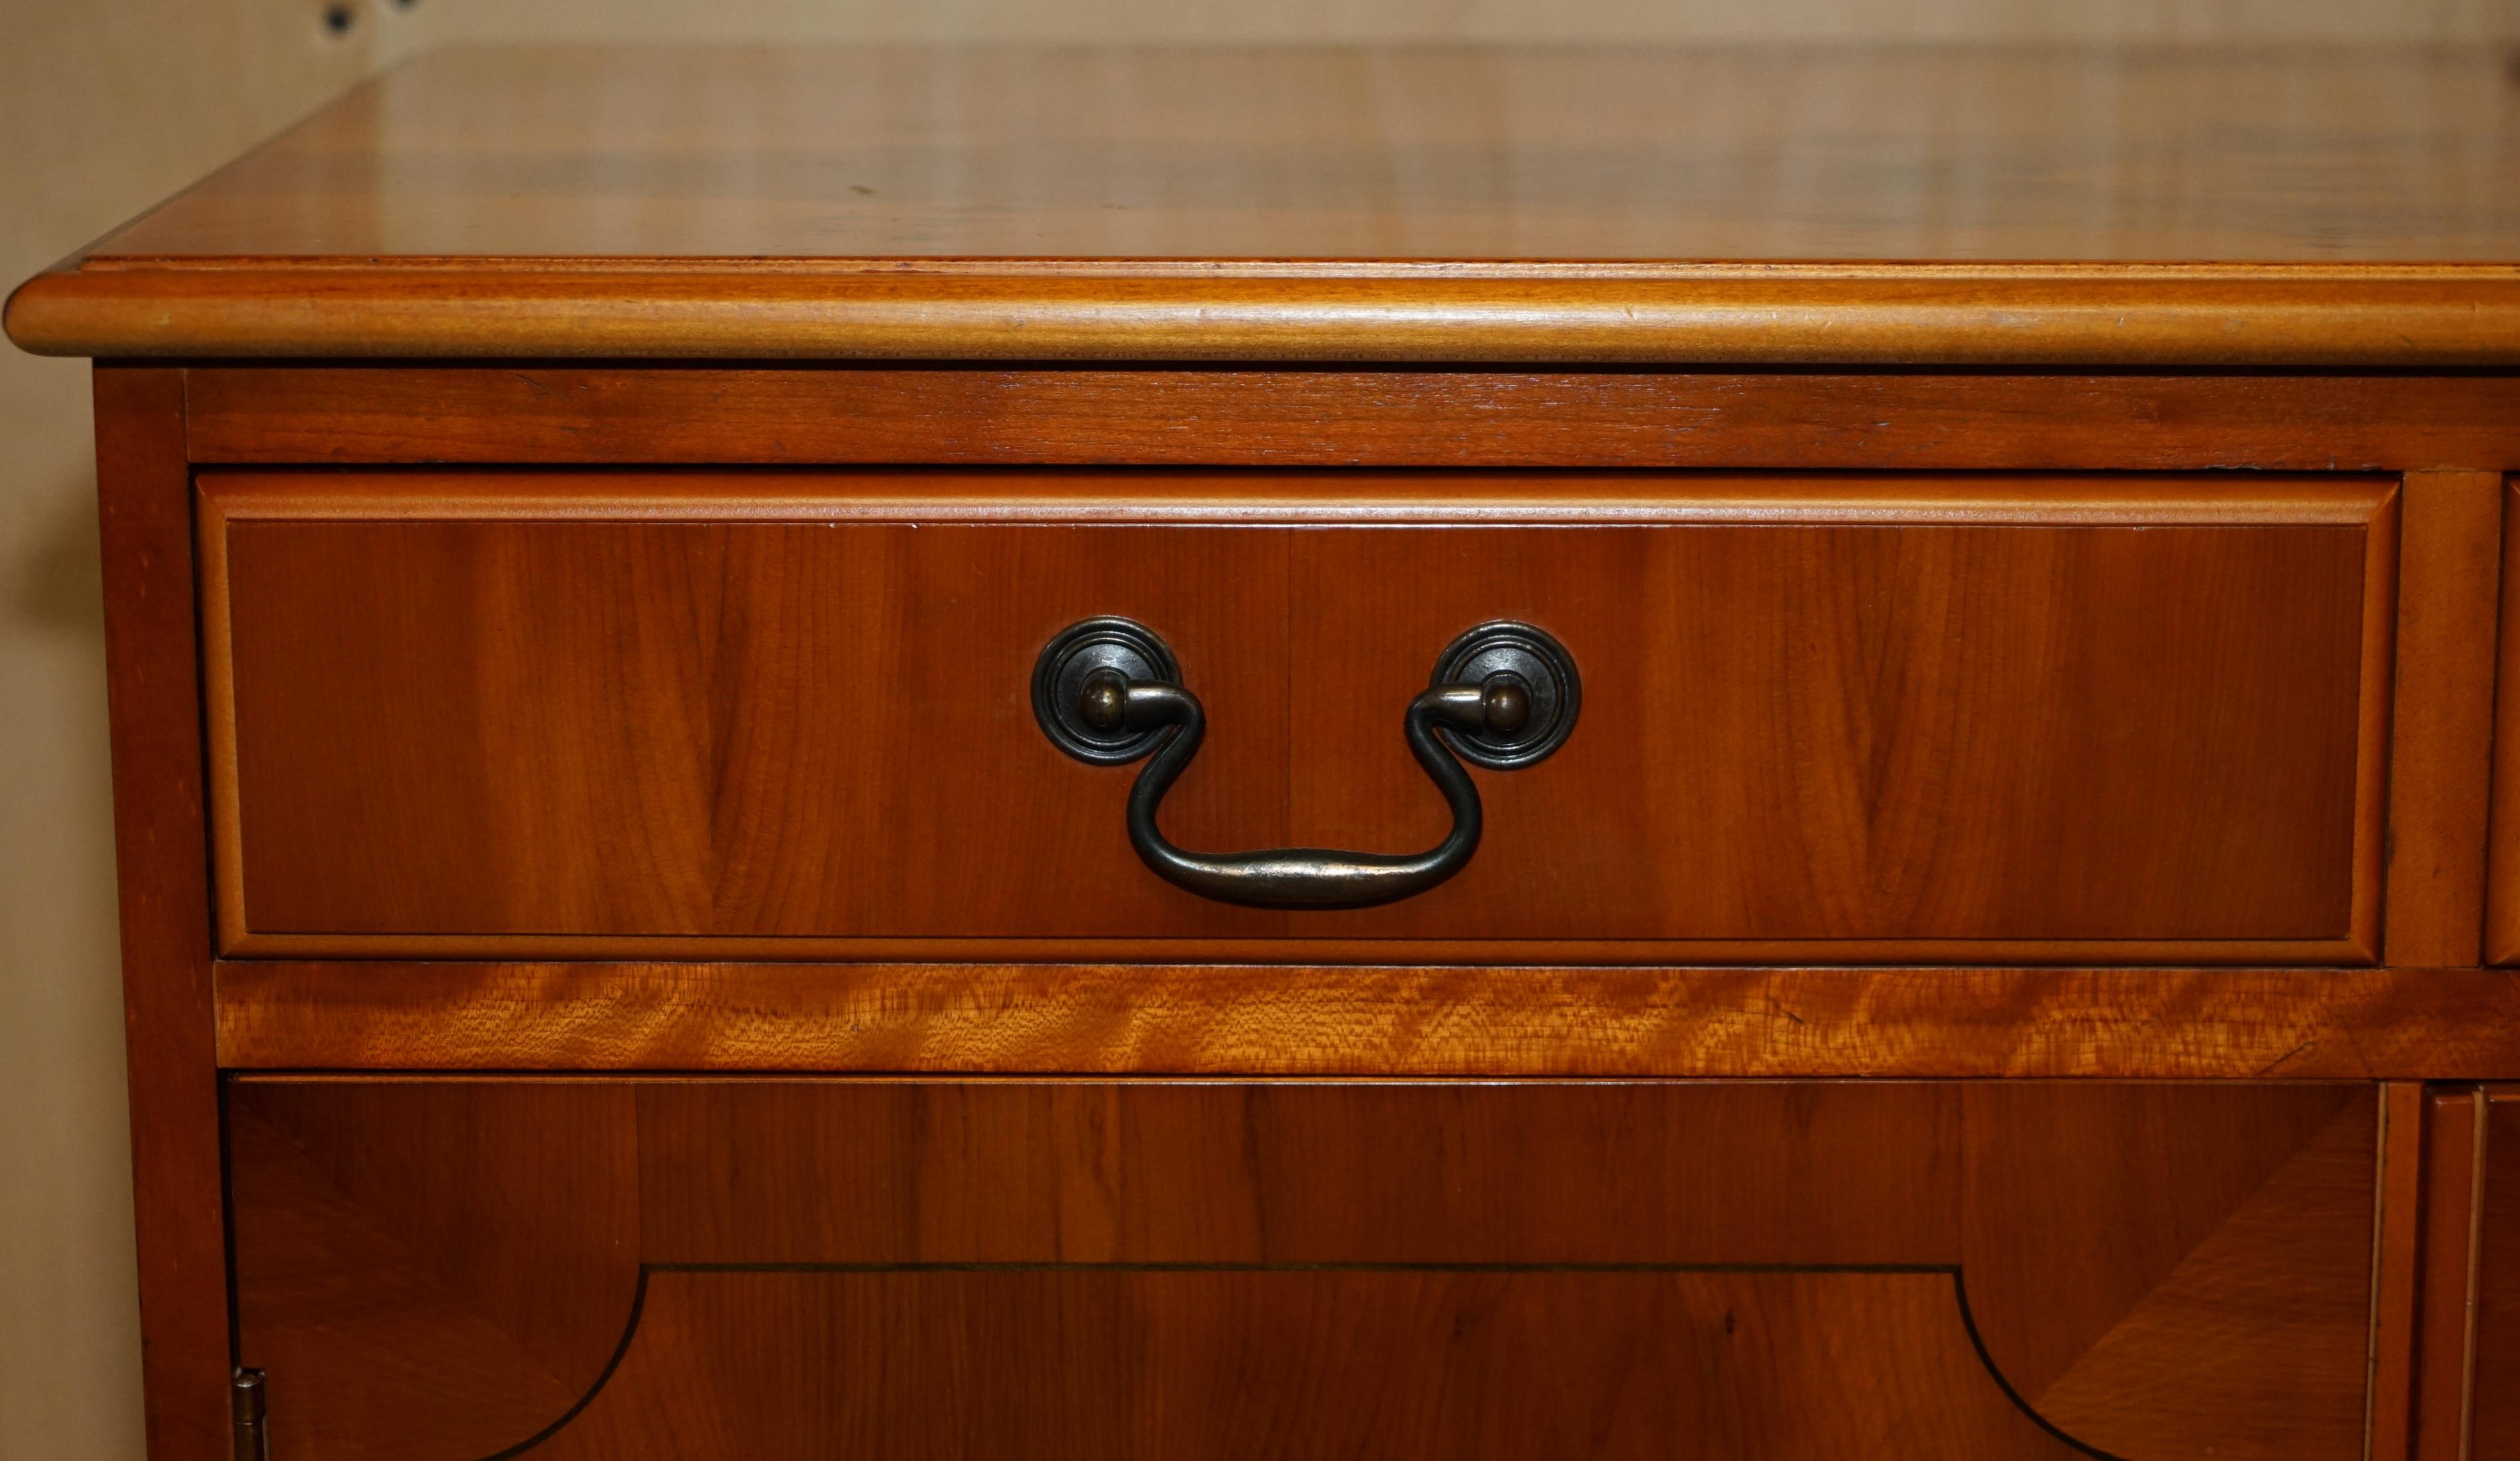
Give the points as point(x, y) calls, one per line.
point(2296, 315)
point(1339, 1021)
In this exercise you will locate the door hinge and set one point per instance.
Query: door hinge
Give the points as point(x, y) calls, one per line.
point(245, 1406)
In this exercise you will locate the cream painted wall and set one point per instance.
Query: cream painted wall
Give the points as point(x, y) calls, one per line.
point(104, 108)
point(429, 20)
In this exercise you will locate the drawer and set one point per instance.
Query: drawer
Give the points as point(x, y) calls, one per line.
point(447, 1268)
point(1826, 718)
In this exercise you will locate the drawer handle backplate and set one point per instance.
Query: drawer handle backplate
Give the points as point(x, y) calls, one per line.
point(1108, 691)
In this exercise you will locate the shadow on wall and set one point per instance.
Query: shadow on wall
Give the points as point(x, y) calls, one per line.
point(58, 586)
point(68, 1308)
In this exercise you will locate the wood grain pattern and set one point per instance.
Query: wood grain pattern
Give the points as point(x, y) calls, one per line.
point(472, 1247)
point(323, 1288)
point(2446, 1342)
point(2441, 748)
point(1302, 1364)
point(1295, 1268)
point(2396, 1270)
point(1526, 206)
point(1963, 719)
point(152, 682)
point(2503, 819)
point(1337, 154)
point(1858, 734)
point(2253, 1221)
point(1308, 499)
point(2494, 1382)
point(812, 732)
point(886, 1172)
point(2034, 708)
point(2373, 316)
point(1432, 1022)
point(713, 415)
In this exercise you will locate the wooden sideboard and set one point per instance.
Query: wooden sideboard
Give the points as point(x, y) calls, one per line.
point(1318, 753)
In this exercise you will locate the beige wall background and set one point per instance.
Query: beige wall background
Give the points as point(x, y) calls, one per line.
point(104, 108)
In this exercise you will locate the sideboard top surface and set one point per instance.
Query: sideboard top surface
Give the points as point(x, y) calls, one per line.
point(1448, 154)
point(1860, 205)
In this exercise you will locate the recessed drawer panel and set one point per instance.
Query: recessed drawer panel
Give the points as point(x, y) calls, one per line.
point(2105, 719)
point(1117, 1270)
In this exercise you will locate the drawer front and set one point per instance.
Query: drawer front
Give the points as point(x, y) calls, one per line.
point(449, 1268)
point(2109, 719)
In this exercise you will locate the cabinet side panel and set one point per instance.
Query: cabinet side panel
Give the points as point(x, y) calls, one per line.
point(162, 860)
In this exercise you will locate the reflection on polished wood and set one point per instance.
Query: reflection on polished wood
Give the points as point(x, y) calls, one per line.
point(2410, 1024)
point(1944, 420)
point(2129, 719)
point(908, 1270)
point(1442, 154)
point(478, 1243)
point(2101, 569)
point(1883, 205)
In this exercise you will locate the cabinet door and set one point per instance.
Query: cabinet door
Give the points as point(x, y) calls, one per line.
point(1820, 719)
point(2468, 1353)
point(453, 1268)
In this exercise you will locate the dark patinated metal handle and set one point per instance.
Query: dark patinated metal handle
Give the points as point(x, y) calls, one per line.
point(1518, 711)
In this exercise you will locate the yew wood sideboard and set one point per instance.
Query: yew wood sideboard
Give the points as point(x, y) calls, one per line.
point(1290, 754)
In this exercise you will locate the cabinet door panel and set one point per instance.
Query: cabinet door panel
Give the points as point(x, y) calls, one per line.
point(2467, 1378)
point(911, 1269)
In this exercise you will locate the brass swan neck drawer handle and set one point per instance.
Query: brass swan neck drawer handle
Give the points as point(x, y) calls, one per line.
point(1108, 691)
